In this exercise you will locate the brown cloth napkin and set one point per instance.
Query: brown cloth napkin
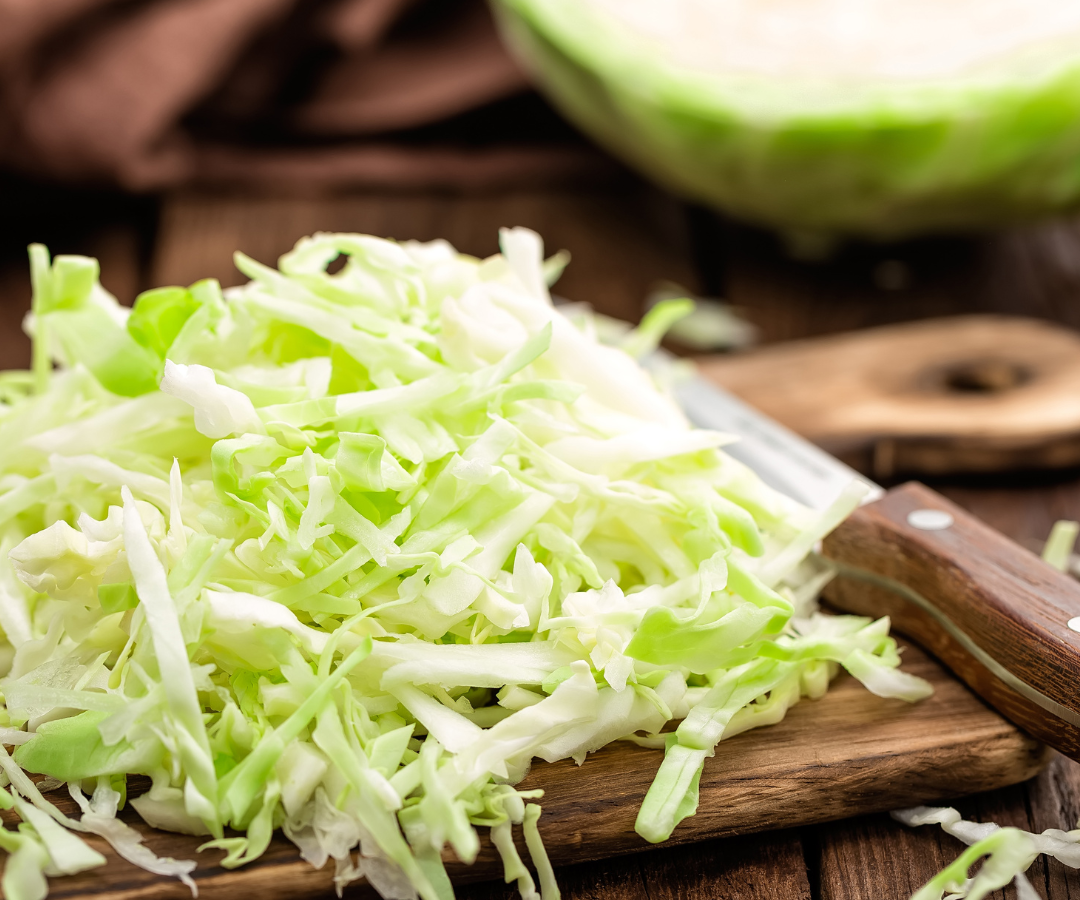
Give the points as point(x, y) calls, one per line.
point(272, 93)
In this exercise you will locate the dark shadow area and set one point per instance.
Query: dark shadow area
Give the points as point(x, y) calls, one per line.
point(69, 219)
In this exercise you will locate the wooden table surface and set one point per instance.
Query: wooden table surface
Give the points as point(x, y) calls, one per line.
point(625, 237)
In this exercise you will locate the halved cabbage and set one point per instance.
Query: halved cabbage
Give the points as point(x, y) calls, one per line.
point(825, 117)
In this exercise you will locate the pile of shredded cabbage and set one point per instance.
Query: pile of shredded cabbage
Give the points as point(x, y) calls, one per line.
point(341, 554)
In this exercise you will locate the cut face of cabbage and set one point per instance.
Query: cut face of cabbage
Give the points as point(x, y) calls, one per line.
point(344, 553)
point(827, 118)
point(849, 39)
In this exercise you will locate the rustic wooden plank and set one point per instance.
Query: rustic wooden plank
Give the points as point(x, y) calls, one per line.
point(622, 243)
point(1023, 509)
point(1029, 271)
point(1035, 269)
point(14, 305)
point(859, 287)
point(765, 867)
point(118, 249)
point(874, 858)
point(847, 753)
point(740, 869)
point(1053, 801)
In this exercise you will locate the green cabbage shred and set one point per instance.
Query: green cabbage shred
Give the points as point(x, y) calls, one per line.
point(341, 554)
point(1005, 853)
point(1060, 543)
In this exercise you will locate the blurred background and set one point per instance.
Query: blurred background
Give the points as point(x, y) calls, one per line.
point(161, 135)
point(120, 120)
point(810, 168)
point(803, 168)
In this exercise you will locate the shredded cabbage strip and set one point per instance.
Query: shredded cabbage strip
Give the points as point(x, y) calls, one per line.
point(1006, 854)
point(341, 554)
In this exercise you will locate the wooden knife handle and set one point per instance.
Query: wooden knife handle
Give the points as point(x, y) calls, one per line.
point(992, 611)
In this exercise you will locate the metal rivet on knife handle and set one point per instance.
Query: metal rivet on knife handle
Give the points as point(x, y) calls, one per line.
point(929, 519)
point(992, 611)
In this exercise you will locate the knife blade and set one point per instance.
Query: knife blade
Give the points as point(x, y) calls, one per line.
point(991, 610)
point(782, 459)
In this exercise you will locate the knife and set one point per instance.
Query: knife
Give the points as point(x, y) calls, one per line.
point(1004, 621)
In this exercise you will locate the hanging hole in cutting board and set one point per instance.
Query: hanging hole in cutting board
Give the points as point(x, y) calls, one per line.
point(977, 393)
point(986, 376)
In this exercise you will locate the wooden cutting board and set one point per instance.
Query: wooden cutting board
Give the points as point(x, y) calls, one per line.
point(979, 393)
point(845, 754)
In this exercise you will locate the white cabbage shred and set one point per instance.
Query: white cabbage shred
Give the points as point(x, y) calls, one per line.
point(341, 554)
point(1006, 853)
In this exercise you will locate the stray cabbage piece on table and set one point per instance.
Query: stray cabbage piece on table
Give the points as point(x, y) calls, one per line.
point(341, 554)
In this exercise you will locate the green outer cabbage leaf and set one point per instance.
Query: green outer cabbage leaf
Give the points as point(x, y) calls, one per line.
point(878, 158)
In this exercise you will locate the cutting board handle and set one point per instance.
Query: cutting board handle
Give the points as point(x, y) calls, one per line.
point(991, 610)
point(979, 393)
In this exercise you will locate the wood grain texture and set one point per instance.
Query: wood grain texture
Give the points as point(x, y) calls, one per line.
point(873, 856)
point(761, 867)
point(621, 243)
point(14, 305)
point(848, 753)
point(1030, 272)
point(1053, 801)
point(1001, 596)
point(977, 393)
point(876, 857)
